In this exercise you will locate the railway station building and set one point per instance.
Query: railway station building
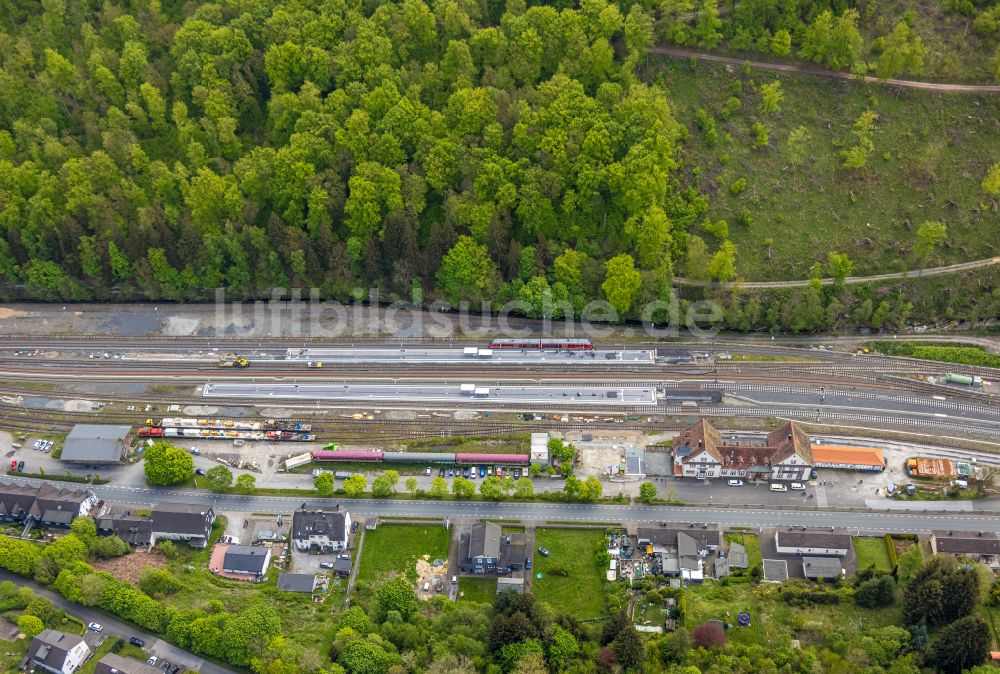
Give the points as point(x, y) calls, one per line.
point(784, 454)
point(96, 444)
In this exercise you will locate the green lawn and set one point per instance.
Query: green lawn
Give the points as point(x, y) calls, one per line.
point(872, 551)
point(102, 650)
point(931, 152)
point(394, 548)
point(580, 592)
point(752, 544)
point(481, 590)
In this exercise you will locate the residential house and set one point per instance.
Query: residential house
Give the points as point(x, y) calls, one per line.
point(247, 562)
point(297, 582)
point(978, 545)
point(680, 552)
point(57, 652)
point(45, 504)
point(134, 530)
point(480, 548)
point(813, 543)
point(112, 663)
point(784, 454)
point(320, 530)
point(96, 444)
point(182, 522)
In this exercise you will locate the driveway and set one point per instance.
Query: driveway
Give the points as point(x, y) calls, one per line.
point(117, 628)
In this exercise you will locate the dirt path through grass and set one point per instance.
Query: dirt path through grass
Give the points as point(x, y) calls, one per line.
point(913, 273)
point(822, 72)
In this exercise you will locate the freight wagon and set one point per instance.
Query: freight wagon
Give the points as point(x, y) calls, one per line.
point(266, 424)
point(219, 434)
point(378, 456)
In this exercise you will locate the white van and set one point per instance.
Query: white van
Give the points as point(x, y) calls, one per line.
point(797, 486)
point(778, 487)
point(427, 586)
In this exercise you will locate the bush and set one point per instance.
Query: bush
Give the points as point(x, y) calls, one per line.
point(738, 186)
point(876, 593)
point(708, 635)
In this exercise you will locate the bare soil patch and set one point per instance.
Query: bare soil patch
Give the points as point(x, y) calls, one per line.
point(128, 567)
point(430, 576)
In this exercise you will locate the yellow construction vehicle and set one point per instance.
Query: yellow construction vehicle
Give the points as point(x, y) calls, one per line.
point(238, 361)
point(314, 363)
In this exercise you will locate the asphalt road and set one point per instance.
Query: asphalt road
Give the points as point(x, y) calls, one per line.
point(747, 516)
point(116, 628)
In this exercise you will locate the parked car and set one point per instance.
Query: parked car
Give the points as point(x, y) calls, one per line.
point(465, 472)
point(778, 487)
point(451, 472)
point(326, 565)
point(136, 641)
point(440, 472)
point(354, 526)
point(489, 470)
point(97, 627)
point(527, 564)
point(797, 486)
point(37, 444)
point(517, 473)
point(735, 483)
point(199, 471)
point(499, 471)
point(151, 661)
point(543, 552)
point(482, 471)
point(20, 466)
point(174, 669)
point(428, 471)
point(13, 464)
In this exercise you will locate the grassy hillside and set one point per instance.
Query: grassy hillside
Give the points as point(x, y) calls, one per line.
point(931, 152)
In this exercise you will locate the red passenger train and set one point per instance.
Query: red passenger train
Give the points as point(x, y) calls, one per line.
point(542, 343)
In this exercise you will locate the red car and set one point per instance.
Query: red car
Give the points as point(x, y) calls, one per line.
point(13, 464)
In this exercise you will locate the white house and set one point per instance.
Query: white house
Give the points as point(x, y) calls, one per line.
point(57, 652)
point(812, 543)
point(321, 530)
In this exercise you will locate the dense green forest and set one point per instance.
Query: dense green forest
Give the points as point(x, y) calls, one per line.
point(449, 149)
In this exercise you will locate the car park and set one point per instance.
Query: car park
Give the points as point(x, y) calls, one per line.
point(97, 627)
point(735, 483)
point(544, 552)
point(136, 641)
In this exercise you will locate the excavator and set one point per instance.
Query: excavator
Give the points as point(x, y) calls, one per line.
point(232, 360)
